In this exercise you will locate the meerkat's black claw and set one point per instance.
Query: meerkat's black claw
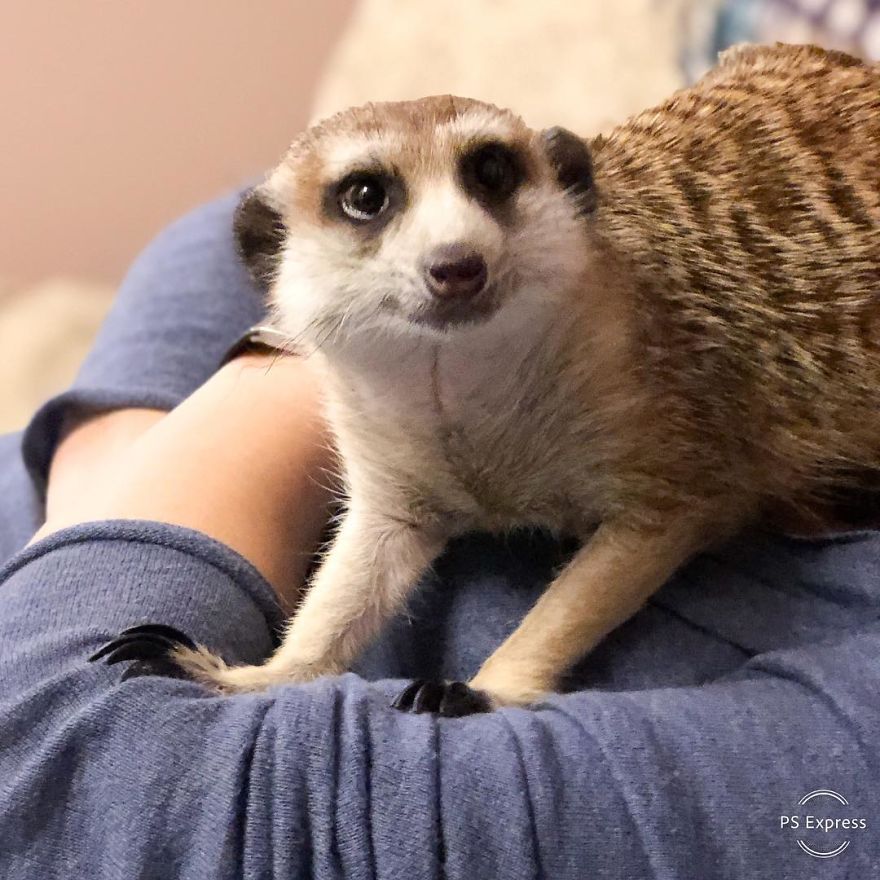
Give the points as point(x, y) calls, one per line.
point(404, 700)
point(150, 646)
point(160, 666)
point(428, 698)
point(135, 648)
point(163, 630)
point(449, 699)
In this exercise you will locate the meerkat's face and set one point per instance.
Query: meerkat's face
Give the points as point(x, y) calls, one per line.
point(417, 218)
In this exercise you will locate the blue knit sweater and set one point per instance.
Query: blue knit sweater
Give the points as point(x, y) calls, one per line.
point(682, 751)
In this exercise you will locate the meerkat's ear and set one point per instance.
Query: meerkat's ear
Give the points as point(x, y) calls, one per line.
point(259, 232)
point(570, 159)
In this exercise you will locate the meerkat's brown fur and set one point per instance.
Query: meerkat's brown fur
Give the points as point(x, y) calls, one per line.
point(710, 346)
point(743, 216)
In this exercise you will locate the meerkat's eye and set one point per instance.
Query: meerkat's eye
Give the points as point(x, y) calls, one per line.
point(493, 171)
point(363, 197)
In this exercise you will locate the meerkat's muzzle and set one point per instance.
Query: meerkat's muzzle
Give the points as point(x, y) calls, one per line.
point(455, 271)
point(457, 282)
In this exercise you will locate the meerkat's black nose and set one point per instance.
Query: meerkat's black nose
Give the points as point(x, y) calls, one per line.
point(455, 270)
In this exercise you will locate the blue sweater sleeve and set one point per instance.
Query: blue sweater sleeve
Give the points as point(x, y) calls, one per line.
point(158, 778)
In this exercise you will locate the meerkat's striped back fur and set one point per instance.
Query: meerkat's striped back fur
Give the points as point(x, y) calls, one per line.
point(744, 216)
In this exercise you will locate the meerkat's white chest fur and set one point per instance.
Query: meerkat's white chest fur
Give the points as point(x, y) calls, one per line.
point(474, 429)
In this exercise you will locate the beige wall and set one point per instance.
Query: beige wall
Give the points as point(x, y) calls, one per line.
point(117, 115)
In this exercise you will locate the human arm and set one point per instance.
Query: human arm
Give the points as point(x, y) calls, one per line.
point(257, 418)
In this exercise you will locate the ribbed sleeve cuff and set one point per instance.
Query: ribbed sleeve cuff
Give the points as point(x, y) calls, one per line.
point(98, 578)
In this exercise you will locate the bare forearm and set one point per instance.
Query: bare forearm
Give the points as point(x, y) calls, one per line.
point(241, 460)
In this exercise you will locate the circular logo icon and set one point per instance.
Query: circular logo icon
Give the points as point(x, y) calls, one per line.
point(824, 823)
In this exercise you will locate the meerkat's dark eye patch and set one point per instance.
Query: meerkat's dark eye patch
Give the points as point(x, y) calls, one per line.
point(492, 172)
point(364, 198)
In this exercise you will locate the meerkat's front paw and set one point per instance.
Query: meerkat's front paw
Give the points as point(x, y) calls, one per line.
point(150, 646)
point(451, 699)
point(157, 649)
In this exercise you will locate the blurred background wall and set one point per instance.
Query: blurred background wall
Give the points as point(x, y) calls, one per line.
point(118, 115)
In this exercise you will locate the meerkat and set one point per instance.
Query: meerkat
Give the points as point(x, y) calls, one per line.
point(644, 339)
